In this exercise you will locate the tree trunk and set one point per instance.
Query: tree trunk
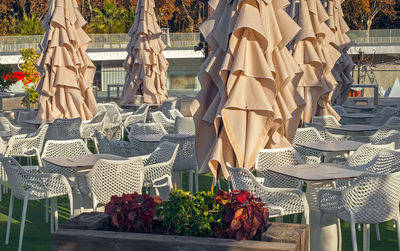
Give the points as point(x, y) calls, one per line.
point(369, 24)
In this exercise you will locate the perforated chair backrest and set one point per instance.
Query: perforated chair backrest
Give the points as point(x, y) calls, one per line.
point(26, 115)
point(113, 116)
point(143, 108)
point(53, 148)
point(328, 120)
point(115, 177)
point(325, 134)
point(279, 157)
point(308, 134)
point(186, 157)
point(147, 128)
point(166, 106)
point(389, 137)
point(64, 129)
point(103, 144)
point(185, 125)
point(366, 153)
point(99, 117)
point(16, 176)
point(385, 161)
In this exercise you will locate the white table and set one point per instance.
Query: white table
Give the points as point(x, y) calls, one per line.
point(320, 176)
point(358, 115)
point(157, 137)
point(83, 163)
point(361, 107)
point(353, 129)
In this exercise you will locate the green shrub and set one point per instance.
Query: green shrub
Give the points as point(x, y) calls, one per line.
point(6, 77)
point(191, 214)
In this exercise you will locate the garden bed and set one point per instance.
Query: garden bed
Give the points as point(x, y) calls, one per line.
point(94, 231)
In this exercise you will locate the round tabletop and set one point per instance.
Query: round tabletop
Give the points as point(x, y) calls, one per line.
point(157, 137)
point(358, 115)
point(361, 107)
point(353, 128)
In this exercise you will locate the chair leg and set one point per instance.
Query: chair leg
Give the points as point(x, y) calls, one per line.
point(320, 216)
point(190, 177)
point(81, 202)
point(51, 215)
point(366, 231)
point(10, 211)
point(398, 230)
point(196, 179)
point(46, 210)
point(21, 232)
point(378, 233)
point(55, 214)
point(295, 218)
point(353, 235)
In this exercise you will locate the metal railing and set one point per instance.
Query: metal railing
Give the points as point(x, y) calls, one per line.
point(100, 41)
point(382, 36)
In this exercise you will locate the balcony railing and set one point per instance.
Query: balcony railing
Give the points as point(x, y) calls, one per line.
point(13, 44)
point(100, 41)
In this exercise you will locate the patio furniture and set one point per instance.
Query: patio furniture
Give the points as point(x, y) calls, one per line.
point(281, 201)
point(168, 105)
point(328, 120)
point(174, 113)
point(26, 115)
point(364, 108)
point(320, 176)
point(185, 158)
point(113, 122)
point(339, 109)
point(6, 125)
point(184, 125)
point(354, 129)
point(370, 199)
point(145, 128)
point(375, 137)
point(384, 115)
point(307, 135)
point(138, 117)
point(325, 134)
point(27, 145)
point(167, 123)
point(64, 129)
point(393, 123)
point(34, 186)
point(120, 148)
point(158, 166)
point(113, 177)
point(332, 148)
point(89, 127)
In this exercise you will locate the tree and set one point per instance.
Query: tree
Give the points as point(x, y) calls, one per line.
point(111, 19)
point(31, 75)
point(30, 25)
point(362, 13)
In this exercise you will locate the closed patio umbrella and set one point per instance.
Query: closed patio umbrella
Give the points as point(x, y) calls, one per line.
point(316, 54)
point(66, 71)
point(245, 83)
point(344, 65)
point(145, 64)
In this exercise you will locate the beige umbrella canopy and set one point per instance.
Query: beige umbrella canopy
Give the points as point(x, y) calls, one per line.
point(344, 65)
point(145, 64)
point(241, 107)
point(315, 53)
point(66, 71)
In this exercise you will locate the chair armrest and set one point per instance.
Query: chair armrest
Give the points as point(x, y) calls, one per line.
point(311, 160)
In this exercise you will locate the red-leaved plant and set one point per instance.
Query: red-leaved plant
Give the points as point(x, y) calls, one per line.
point(244, 215)
point(132, 212)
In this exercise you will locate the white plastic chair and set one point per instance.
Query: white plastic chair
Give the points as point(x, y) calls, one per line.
point(327, 120)
point(175, 113)
point(64, 129)
point(339, 109)
point(96, 123)
point(185, 126)
point(6, 125)
point(370, 199)
point(113, 127)
point(167, 123)
point(325, 134)
point(309, 134)
point(281, 201)
point(158, 166)
point(114, 177)
point(185, 158)
point(34, 186)
point(145, 128)
point(120, 148)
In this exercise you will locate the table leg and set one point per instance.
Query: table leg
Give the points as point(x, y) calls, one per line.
point(330, 232)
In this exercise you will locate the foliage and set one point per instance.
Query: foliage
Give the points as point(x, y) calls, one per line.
point(6, 78)
point(133, 212)
point(31, 78)
point(244, 215)
point(191, 215)
point(361, 14)
point(112, 19)
point(30, 25)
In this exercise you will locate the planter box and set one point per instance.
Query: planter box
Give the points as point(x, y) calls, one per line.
point(81, 233)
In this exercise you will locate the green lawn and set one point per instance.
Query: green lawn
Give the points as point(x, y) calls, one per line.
point(37, 232)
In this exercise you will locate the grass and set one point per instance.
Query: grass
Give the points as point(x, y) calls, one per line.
point(37, 232)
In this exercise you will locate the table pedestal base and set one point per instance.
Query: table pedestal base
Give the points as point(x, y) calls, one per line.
point(330, 233)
